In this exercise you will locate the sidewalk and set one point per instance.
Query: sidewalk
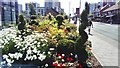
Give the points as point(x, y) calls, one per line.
point(103, 49)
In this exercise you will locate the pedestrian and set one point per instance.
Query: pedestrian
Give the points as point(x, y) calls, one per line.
point(90, 24)
point(75, 19)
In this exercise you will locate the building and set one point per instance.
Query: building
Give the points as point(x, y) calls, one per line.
point(92, 8)
point(54, 4)
point(41, 11)
point(0, 13)
point(112, 14)
point(52, 11)
point(27, 9)
point(48, 4)
point(20, 9)
point(109, 2)
point(9, 11)
point(97, 7)
point(57, 6)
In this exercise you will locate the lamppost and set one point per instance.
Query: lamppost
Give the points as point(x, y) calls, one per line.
point(79, 6)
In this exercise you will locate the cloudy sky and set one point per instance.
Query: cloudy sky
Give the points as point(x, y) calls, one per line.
point(64, 4)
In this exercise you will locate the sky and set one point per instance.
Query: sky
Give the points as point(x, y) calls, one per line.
point(64, 4)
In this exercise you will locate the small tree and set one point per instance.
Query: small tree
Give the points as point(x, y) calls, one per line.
point(80, 47)
point(21, 25)
point(87, 8)
point(119, 3)
point(32, 9)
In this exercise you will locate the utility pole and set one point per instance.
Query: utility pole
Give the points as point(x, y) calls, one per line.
point(69, 7)
point(79, 6)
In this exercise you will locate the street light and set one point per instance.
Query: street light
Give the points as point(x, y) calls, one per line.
point(69, 7)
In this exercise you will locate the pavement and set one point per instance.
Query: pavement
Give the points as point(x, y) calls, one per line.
point(105, 39)
point(105, 46)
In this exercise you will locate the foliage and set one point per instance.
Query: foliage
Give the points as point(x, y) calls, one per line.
point(36, 42)
point(118, 2)
point(65, 42)
point(21, 25)
point(33, 47)
point(87, 8)
point(84, 17)
point(32, 9)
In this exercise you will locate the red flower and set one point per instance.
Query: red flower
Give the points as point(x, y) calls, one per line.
point(80, 66)
point(55, 64)
point(61, 65)
point(62, 57)
point(65, 30)
point(58, 54)
point(68, 59)
point(90, 48)
point(71, 59)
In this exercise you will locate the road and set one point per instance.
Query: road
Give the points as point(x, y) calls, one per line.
point(105, 40)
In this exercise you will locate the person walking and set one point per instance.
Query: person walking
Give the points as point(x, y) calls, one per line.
point(90, 24)
point(75, 19)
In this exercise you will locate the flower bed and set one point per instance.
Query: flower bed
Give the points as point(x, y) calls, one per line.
point(42, 45)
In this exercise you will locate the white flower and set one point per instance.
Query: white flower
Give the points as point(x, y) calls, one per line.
point(31, 57)
point(11, 55)
point(9, 60)
point(46, 65)
point(5, 56)
point(38, 52)
point(34, 56)
point(9, 64)
point(63, 60)
point(27, 57)
point(35, 42)
point(43, 45)
point(43, 52)
point(38, 43)
point(29, 51)
point(49, 52)
point(71, 54)
point(63, 54)
point(35, 50)
point(1, 41)
point(1, 46)
point(41, 57)
point(4, 62)
point(59, 57)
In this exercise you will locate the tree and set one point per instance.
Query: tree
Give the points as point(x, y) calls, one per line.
point(21, 25)
point(87, 8)
point(118, 2)
point(80, 47)
point(32, 9)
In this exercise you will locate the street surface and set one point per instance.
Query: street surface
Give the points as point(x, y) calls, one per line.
point(105, 40)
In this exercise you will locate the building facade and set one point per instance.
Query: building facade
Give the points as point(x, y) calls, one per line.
point(20, 9)
point(112, 14)
point(54, 4)
point(41, 11)
point(0, 13)
point(27, 9)
point(109, 2)
point(9, 11)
